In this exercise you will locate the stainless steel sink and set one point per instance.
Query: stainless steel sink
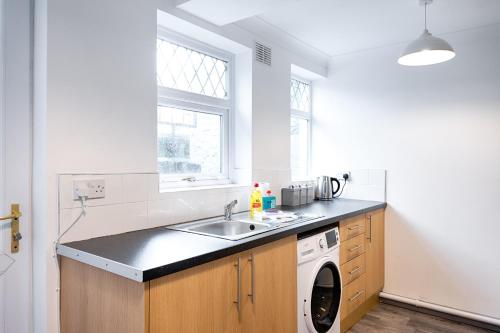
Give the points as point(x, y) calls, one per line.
point(232, 230)
point(240, 227)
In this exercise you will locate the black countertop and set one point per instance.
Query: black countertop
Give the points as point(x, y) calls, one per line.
point(148, 254)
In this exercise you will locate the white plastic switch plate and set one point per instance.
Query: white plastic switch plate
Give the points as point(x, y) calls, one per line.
point(89, 188)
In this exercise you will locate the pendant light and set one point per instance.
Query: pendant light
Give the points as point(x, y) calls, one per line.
point(426, 49)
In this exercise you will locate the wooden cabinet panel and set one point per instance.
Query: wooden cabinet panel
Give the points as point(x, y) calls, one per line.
point(352, 248)
point(93, 300)
point(352, 227)
point(200, 299)
point(360, 290)
point(203, 298)
point(353, 269)
point(353, 295)
point(374, 252)
point(274, 307)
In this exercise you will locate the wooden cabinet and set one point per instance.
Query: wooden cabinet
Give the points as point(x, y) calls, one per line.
point(361, 265)
point(374, 252)
point(353, 269)
point(252, 291)
point(93, 300)
point(353, 295)
point(199, 299)
point(274, 305)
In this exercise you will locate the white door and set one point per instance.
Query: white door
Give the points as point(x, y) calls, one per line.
point(15, 163)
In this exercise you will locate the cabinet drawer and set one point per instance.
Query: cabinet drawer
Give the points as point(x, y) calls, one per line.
point(353, 295)
point(352, 227)
point(352, 248)
point(353, 269)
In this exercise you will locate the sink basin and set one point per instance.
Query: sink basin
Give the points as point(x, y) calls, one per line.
point(232, 230)
point(241, 227)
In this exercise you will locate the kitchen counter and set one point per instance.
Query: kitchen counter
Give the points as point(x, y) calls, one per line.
point(148, 254)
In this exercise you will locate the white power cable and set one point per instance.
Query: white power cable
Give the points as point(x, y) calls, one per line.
point(83, 213)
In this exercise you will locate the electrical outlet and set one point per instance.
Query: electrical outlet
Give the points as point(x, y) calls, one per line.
point(89, 188)
point(340, 175)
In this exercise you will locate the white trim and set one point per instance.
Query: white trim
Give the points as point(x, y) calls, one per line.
point(194, 44)
point(180, 95)
point(202, 188)
point(441, 308)
point(2, 154)
point(202, 103)
point(307, 115)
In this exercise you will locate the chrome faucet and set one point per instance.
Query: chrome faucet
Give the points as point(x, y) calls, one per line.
point(228, 210)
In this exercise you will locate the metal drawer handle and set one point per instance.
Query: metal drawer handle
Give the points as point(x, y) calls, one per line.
point(359, 293)
point(356, 227)
point(252, 287)
point(238, 284)
point(355, 270)
point(370, 235)
point(357, 247)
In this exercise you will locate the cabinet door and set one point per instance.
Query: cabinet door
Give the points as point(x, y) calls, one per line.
point(274, 306)
point(374, 252)
point(199, 299)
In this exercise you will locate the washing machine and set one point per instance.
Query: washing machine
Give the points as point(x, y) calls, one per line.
point(318, 282)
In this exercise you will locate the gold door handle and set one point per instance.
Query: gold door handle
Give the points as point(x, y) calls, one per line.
point(14, 216)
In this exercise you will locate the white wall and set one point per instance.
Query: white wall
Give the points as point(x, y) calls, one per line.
point(95, 112)
point(15, 162)
point(436, 130)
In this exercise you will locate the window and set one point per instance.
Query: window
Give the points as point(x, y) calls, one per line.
point(194, 103)
point(300, 128)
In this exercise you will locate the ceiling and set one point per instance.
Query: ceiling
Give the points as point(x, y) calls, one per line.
point(221, 12)
point(338, 27)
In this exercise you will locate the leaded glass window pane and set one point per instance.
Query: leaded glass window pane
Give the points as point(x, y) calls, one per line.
point(186, 69)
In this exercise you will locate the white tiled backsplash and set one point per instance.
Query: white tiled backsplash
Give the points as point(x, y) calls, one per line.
point(133, 202)
point(366, 184)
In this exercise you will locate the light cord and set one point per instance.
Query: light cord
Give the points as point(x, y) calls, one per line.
point(425, 15)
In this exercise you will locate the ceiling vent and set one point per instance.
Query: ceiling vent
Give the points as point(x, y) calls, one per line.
point(263, 53)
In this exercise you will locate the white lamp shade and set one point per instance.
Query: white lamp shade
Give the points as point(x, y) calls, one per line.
point(426, 50)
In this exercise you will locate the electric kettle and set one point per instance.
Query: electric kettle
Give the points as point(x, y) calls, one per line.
point(325, 189)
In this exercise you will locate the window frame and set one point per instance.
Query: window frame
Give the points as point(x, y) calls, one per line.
point(306, 115)
point(189, 101)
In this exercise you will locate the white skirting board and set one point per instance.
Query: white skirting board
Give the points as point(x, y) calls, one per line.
point(440, 308)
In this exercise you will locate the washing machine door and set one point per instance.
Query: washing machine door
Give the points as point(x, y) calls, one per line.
point(322, 306)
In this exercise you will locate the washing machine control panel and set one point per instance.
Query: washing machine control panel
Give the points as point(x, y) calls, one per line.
point(317, 245)
point(332, 238)
point(321, 243)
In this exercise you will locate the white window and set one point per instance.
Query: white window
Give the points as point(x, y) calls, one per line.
point(194, 107)
point(300, 128)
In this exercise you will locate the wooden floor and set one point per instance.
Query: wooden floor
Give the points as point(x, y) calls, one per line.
point(387, 318)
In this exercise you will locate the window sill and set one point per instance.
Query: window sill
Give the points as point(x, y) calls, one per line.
point(202, 188)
